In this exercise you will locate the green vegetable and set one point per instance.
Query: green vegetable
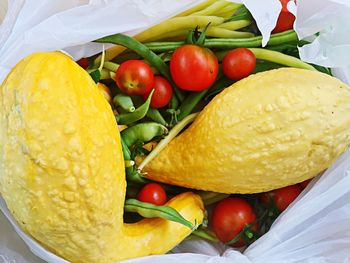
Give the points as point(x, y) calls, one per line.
point(142, 132)
point(155, 115)
point(265, 65)
point(280, 58)
point(138, 114)
point(211, 197)
point(174, 103)
point(227, 33)
point(235, 25)
point(124, 101)
point(219, 86)
point(111, 66)
point(150, 211)
point(131, 173)
point(205, 235)
point(229, 43)
point(216, 7)
point(96, 75)
point(194, 98)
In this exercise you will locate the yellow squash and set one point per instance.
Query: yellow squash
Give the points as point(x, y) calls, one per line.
point(62, 169)
point(267, 131)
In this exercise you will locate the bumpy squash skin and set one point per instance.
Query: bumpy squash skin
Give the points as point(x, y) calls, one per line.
point(267, 131)
point(62, 169)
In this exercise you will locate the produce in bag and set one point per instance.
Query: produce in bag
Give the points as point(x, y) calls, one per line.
point(166, 123)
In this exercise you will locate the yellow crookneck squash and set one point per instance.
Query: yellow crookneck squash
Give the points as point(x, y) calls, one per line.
point(270, 130)
point(62, 169)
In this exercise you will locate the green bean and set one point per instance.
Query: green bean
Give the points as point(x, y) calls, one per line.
point(155, 115)
point(212, 31)
point(226, 33)
point(173, 116)
point(241, 13)
point(280, 58)
point(138, 114)
point(265, 65)
point(235, 25)
point(143, 132)
point(177, 23)
point(111, 66)
point(145, 52)
point(174, 24)
point(163, 143)
point(194, 98)
point(190, 103)
point(112, 75)
point(215, 7)
point(229, 11)
point(218, 87)
point(105, 74)
point(228, 43)
point(124, 101)
point(126, 151)
point(136, 177)
point(174, 103)
point(211, 197)
point(148, 210)
point(178, 34)
point(131, 173)
point(205, 235)
point(196, 8)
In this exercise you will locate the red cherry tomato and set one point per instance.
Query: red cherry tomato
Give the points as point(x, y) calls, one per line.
point(152, 193)
point(305, 183)
point(193, 67)
point(285, 19)
point(162, 93)
point(229, 218)
point(282, 197)
point(134, 77)
point(238, 63)
point(84, 63)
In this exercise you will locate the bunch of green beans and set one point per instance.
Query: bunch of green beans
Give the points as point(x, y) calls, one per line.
point(229, 43)
point(216, 12)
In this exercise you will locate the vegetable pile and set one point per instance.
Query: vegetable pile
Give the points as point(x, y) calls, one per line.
point(190, 129)
point(161, 79)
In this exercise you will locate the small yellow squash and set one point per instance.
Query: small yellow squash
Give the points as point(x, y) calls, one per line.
point(62, 168)
point(267, 131)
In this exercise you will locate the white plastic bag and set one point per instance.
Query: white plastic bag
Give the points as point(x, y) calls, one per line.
point(315, 228)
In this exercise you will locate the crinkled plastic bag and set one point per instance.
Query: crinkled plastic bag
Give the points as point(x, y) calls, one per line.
point(315, 228)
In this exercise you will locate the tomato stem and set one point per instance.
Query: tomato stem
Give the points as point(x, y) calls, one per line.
point(197, 37)
point(201, 40)
point(246, 233)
